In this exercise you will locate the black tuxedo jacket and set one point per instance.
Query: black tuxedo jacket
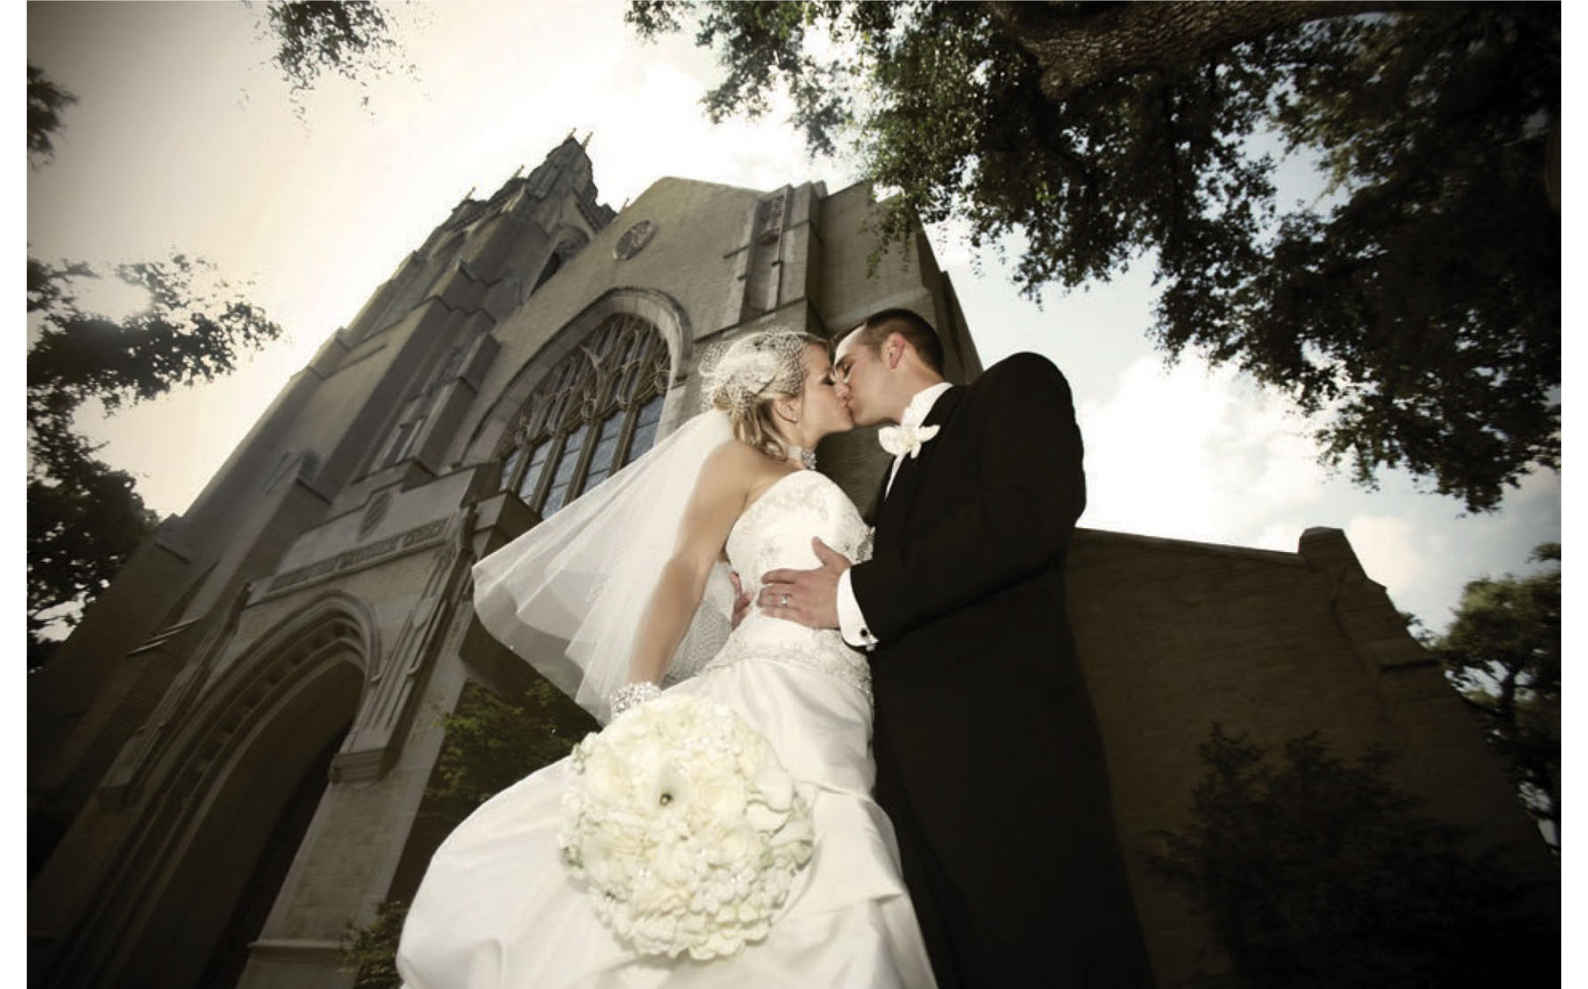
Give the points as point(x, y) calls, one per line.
point(988, 755)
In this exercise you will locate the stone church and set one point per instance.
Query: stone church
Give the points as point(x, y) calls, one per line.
point(227, 759)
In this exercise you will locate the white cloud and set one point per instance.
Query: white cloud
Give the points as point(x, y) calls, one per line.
point(1287, 468)
point(1389, 551)
point(1283, 536)
point(1185, 453)
point(1145, 461)
point(1190, 453)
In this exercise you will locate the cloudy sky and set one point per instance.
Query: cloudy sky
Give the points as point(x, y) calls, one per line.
point(183, 139)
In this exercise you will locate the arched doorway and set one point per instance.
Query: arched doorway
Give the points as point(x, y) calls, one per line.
point(230, 955)
point(246, 760)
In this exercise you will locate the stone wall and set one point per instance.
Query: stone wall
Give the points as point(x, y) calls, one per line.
point(1174, 636)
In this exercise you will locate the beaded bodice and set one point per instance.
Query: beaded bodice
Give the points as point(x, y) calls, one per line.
point(775, 532)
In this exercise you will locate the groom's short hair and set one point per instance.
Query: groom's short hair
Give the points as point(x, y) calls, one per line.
point(909, 325)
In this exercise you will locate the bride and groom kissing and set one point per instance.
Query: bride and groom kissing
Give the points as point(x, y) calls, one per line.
point(917, 684)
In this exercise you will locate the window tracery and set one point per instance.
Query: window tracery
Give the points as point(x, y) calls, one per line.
point(593, 413)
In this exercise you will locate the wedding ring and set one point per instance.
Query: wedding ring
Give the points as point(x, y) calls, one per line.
point(785, 600)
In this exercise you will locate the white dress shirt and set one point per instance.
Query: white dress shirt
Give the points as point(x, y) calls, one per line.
point(851, 622)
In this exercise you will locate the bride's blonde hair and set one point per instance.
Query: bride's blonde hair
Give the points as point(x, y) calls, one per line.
point(753, 373)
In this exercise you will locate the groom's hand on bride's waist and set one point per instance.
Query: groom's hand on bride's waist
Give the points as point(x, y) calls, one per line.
point(809, 597)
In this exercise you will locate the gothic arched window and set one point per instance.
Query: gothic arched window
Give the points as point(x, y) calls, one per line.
point(592, 414)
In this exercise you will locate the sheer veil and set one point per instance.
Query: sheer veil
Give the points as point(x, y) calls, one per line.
point(567, 596)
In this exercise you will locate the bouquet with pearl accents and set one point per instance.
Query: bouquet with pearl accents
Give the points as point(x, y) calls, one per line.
point(684, 827)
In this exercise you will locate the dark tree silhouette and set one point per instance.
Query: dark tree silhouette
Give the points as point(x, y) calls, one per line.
point(46, 102)
point(85, 517)
point(1415, 312)
point(353, 39)
point(1319, 873)
point(1503, 653)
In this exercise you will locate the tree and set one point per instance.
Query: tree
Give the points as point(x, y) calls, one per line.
point(1318, 872)
point(353, 39)
point(369, 954)
point(1503, 654)
point(1415, 312)
point(84, 517)
point(46, 101)
point(492, 743)
point(84, 520)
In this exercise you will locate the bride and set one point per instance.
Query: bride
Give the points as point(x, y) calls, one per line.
point(620, 600)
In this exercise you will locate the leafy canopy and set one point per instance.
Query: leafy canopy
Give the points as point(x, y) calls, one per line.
point(353, 39)
point(46, 101)
point(84, 517)
point(1415, 311)
point(1503, 654)
point(492, 743)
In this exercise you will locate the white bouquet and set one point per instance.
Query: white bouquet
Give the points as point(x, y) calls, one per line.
point(685, 828)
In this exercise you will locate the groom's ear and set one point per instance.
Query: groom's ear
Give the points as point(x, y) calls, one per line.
point(893, 347)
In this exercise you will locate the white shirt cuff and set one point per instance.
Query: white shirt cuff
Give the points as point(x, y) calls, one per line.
point(851, 623)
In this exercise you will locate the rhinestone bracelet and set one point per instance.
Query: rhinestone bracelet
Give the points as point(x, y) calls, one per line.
point(632, 695)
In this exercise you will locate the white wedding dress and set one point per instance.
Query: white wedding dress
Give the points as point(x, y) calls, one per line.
point(498, 909)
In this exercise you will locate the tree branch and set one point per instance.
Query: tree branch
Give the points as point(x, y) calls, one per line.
point(1079, 45)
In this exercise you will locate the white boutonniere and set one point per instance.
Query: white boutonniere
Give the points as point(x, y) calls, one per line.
point(905, 440)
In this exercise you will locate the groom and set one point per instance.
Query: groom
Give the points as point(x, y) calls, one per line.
point(989, 761)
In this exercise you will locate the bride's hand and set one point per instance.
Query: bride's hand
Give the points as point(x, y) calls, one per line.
point(809, 597)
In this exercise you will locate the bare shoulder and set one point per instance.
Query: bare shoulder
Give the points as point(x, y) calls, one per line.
point(733, 461)
point(716, 502)
point(746, 470)
point(734, 468)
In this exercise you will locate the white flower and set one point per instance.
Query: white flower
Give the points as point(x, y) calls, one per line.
point(684, 827)
point(905, 440)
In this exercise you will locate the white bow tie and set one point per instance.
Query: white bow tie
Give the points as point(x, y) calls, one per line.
point(905, 440)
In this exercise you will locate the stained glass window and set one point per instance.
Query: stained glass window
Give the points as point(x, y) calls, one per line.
point(606, 449)
point(593, 413)
point(644, 429)
point(531, 479)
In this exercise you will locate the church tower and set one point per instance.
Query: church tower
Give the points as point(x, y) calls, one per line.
point(228, 759)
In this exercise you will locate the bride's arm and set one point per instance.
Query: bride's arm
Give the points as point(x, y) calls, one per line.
point(713, 507)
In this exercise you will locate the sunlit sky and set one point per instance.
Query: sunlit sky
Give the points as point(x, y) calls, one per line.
point(184, 139)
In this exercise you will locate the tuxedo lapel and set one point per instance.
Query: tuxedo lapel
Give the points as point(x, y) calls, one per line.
point(882, 496)
point(896, 506)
